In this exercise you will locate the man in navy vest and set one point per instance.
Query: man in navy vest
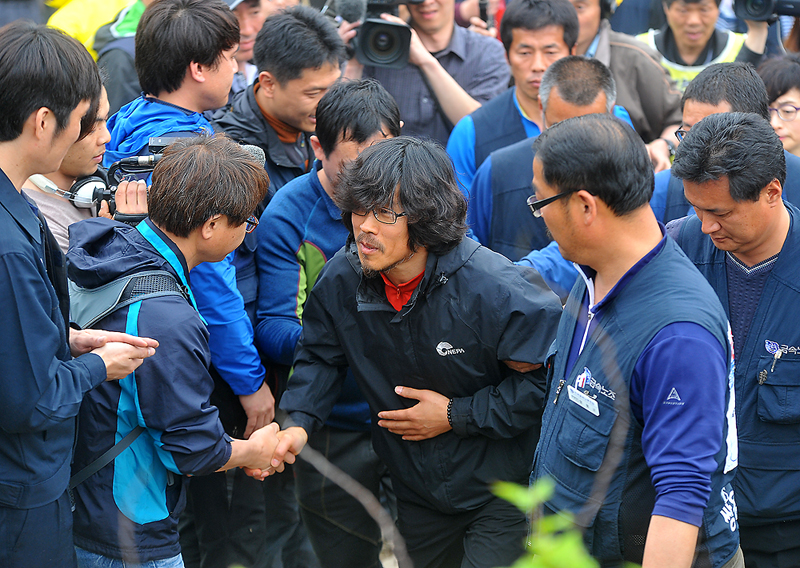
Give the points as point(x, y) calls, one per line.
point(724, 87)
point(535, 34)
point(746, 242)
point(497, 215)
point(639, 430)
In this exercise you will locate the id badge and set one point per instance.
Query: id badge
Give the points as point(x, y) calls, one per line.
point(583, 400)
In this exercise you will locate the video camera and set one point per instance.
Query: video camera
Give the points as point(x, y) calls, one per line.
point(764, 10)
point(90, 191)
point(378, 43)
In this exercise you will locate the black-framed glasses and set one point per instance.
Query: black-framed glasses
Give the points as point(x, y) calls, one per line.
point(536, 206)
point(383, 215)
point(680, 133)
point(251, 224)
point(785, 112)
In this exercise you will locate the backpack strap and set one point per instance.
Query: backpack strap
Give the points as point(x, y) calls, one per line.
point(90, 305)
point(105, 459)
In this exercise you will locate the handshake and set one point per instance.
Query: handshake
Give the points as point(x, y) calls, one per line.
point(267, 450)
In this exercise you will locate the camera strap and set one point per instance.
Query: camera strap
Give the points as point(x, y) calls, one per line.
point(449, 125)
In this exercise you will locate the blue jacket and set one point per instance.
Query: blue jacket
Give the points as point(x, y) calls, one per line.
point(606, 415)
point(472, 310)
point(139, 120)
point(300, 230)
point(244, 122)
point(130, 508)
point(222, 288)
point(767, 389)
point(41, 385)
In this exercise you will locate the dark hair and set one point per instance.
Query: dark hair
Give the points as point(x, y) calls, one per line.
point(740, 146)
point(294, 40)
point(780, 75)
point(203, 176)
point(355, 110)
point(737, 84)
point(174, 33)
point(579, 81)
point(537, 14)
point(671, 2)
point(421, 174)
point(600, 154)
point(44, 67)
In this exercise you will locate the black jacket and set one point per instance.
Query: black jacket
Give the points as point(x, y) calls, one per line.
point(243, 121)
point(472, 310)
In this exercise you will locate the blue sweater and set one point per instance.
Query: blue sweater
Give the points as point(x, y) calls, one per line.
point(299, 231)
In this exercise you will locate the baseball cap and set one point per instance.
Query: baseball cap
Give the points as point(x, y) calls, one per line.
point(233, 3)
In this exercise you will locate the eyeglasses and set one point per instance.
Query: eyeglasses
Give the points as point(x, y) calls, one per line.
point(536, 206)
point(680, 133)
point(786, 112)
point(383, 215)
point(251, 224)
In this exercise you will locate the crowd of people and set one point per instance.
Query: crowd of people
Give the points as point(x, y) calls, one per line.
point(541, 248)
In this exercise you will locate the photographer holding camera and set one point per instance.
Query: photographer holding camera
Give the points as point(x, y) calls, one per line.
point(452, 70)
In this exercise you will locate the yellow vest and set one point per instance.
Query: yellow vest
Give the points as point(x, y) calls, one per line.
point(82, 18)
point(683, 74)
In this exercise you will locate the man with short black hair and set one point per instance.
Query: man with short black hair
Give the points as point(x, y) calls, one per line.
point(49, 93)
point(723, 87)
point(300, 230)
point(297, 53)
point(445, 340)
point(185, 59)
point(200, 207)
point(639, 431)
point(746, 242)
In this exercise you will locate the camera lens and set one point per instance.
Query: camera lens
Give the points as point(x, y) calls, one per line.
point(758, 7)
point(383, 42)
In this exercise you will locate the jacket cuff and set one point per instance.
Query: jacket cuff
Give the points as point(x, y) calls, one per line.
point(459, 413)
point(96, 367)
point(301, 419)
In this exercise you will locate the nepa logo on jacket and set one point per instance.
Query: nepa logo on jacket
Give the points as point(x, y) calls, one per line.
point(444, 349)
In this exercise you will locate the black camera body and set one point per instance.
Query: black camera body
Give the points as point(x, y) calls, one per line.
point(764, 10)
point(380, 43)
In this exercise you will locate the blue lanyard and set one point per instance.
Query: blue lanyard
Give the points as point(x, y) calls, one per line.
point(164, 250)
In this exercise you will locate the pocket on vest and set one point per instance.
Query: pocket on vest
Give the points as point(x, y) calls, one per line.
point(584, 437)
point(779, 389)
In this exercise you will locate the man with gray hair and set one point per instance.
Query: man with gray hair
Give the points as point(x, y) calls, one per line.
point(572, 86)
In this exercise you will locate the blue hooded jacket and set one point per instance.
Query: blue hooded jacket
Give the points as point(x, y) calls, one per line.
point(130, 508)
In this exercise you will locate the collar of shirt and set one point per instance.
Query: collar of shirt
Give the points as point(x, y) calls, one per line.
point(593, 47)
point(585, 325)
point(19, 208)
point(457, 45)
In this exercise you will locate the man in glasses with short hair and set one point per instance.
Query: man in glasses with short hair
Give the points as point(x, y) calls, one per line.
point(446, 341)
point(639, 429)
